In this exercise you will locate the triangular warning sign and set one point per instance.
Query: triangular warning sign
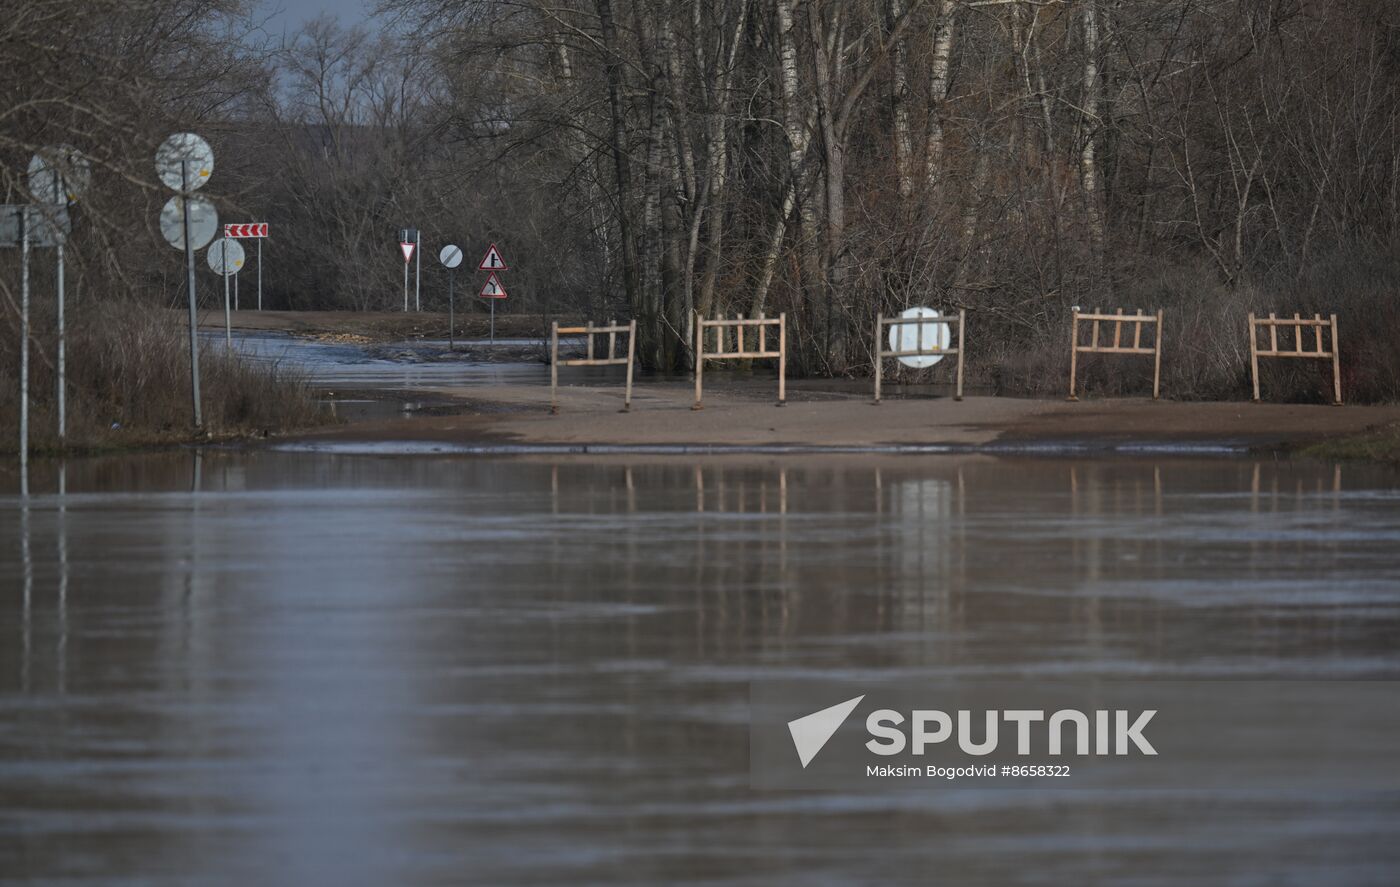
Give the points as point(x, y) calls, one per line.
point(407, 249)
point(493, 261)
point(493, 288)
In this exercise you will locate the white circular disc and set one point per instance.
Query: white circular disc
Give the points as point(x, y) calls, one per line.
point(451, 256)
point(184, 146)
point(236, 256)
point(905, 337)
point(54, 167)
point(204, 222)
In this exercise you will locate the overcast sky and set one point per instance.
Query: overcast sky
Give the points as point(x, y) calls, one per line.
point(294, 12)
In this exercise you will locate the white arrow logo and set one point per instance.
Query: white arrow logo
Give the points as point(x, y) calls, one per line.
point(811, 732)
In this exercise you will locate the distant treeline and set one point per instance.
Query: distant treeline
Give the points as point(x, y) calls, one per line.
point(831, 159)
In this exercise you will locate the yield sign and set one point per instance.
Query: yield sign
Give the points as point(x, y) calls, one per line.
point(493, 288)
point(407, 249)
point(492, 261)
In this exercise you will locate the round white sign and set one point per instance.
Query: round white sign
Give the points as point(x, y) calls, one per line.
point(451, 256)
point(181, 153)
point(56, 169)
point(920, 337)
point(204, 222)
point(232, 260)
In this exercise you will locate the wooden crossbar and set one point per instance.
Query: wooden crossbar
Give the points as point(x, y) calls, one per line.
point(739, 325)
point(1118, 318)
point(1273, 323)
point(592, 360)
point(882, 322)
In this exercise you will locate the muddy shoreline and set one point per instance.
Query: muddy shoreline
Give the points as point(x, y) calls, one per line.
point(742, 416)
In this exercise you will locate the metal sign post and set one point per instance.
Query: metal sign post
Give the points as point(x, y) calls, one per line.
point(408, 245)
point(493, 289)
point(248, 231)
point(226, 258)
point(58, 175)
point(189, 282)
point(24, 350)
point(184, 163)
point(418, 272)
point(451, 257)
point(223, 268)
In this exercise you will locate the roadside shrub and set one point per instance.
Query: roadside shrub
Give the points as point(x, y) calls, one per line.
point(128, 382)
point(1206, 340)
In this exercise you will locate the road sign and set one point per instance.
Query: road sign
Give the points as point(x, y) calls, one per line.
point(247, 231)
point(920, 337)
point(172, 155)
point(451, 256)
point(492, 261)
point(493, 288)
point(204, 222)
point(62, 168)
point(407, 248)
point(233, 263)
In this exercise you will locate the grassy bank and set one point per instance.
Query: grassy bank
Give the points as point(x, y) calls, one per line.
point(128, 385)
point(1375, 445)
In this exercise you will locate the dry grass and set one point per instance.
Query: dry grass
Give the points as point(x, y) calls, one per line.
point(128, 372)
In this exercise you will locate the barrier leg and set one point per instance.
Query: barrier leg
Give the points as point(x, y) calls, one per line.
point(782, 359)
point(1336, 365)
point(1073, 353)
point(631, 359)
point(962, 325)
point(554, 368)
point(879, 361)
point(699, 360)
point(1157, 360)
point(1254, 355)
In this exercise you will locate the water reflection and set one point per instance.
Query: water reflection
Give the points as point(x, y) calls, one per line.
point(406, 669)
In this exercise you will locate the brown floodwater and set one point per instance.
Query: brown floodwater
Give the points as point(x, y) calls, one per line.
point(292, 668)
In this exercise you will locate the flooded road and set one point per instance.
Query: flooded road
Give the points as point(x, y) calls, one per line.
point(422, 365)
point(260, 667)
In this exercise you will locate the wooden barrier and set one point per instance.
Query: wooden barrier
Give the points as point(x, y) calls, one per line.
point(739, 324)
point(1137, 320)
point(589, 330)
point(1272, 323)
point(932, 350)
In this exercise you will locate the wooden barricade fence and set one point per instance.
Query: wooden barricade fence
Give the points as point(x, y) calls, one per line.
point(589, 330)
point(920, 351)
point(763, 352)
point(1318, 323)
point(1076, 348)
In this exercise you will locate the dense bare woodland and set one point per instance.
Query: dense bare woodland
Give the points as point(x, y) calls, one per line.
point(826, 159)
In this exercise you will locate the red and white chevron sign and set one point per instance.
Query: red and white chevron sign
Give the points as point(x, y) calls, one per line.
point(244, 232)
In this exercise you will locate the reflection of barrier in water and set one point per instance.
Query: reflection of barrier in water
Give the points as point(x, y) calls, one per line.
point(1272, 324)
point(922, 348)
point(589, 331)
point(1095, 347)
point(763, 352)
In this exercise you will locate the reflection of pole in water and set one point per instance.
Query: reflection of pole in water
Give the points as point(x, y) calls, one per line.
point(27, 566)
point(62, 578)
